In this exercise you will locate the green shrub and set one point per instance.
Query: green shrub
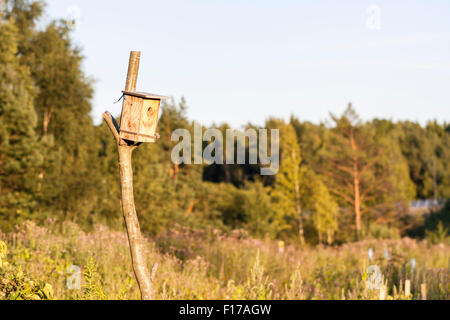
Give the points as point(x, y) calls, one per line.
point(16, 285)
point(382, 231)
point(439, 235)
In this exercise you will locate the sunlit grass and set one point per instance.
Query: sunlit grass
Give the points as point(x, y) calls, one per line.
point(211, 265)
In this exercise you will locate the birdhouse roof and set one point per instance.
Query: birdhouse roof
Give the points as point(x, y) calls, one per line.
point(144, 95)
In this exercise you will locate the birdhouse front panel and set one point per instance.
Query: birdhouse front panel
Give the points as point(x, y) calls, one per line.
point(139, 120)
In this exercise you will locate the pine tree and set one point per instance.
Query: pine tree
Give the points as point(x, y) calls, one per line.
point(427, 151)
point(391, 201)
point(365, 168)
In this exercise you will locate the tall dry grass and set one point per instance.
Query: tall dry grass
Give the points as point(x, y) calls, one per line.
point(195, 264)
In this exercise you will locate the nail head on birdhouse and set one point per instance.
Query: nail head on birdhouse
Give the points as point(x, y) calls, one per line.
point(139, 119)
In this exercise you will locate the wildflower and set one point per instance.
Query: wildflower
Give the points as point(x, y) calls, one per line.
point(280, 246)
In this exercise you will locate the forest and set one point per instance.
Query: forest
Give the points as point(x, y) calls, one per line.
point(344, 184)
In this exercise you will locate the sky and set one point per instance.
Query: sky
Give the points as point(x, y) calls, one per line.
point(244, 61)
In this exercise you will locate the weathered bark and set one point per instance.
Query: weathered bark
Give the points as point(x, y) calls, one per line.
point(125, 150)
point(135, 239)
point(357, 195)
point(133, 70)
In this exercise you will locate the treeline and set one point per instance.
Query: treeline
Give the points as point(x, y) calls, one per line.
point(337, 181)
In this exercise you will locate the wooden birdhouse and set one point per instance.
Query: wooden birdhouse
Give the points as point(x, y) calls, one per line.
point(139, 119)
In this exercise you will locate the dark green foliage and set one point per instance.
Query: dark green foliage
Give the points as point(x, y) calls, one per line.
point(25, 14)
point(55, 163)
point(435, 225)
point(20, 155)
point(427, 151)
point(62, 105)
point(249, 208)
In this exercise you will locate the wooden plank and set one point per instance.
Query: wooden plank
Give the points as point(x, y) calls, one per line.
point(144, 95)
point(133, 70)
point(142, 137)
point(130, 120)
point(149, 118)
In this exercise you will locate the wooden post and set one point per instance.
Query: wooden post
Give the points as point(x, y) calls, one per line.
point(125, 150)
point(133, 70)
point(423, 291)
point(407, 287)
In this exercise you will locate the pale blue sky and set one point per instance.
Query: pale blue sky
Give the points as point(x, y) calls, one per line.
point(241, 61)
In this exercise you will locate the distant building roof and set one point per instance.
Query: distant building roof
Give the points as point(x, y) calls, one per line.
point(426, 203)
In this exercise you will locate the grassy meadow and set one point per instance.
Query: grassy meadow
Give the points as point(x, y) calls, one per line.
point(221, 218)
point(211, 265)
